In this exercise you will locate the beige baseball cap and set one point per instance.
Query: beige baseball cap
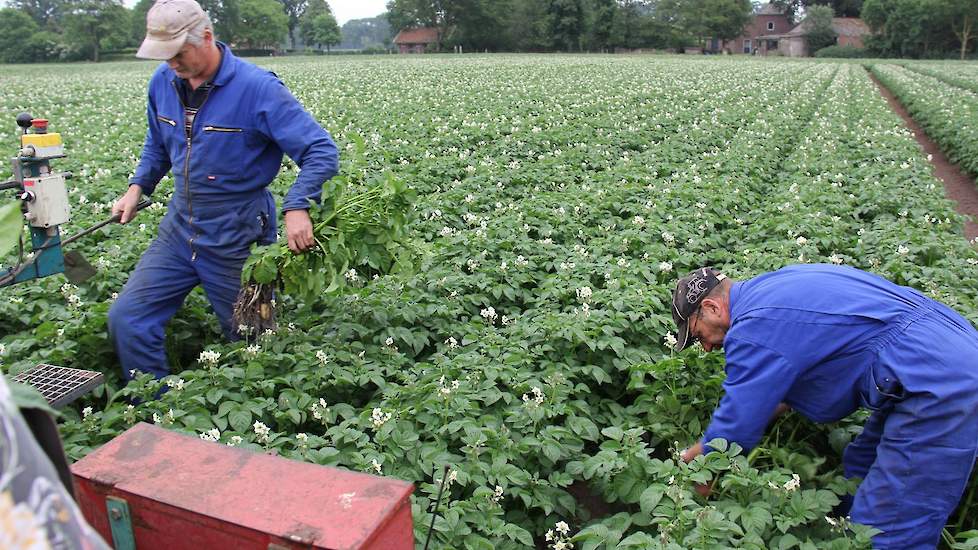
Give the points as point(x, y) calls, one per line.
point(167, 25)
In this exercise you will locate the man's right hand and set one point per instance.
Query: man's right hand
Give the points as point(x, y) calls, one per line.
point(125, 207)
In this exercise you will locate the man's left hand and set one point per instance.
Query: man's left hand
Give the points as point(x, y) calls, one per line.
point(298, 229)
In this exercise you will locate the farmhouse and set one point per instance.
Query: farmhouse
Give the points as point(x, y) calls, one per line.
point(415, 40)
point(757, 38)
point(770, 32)
point(849, 32)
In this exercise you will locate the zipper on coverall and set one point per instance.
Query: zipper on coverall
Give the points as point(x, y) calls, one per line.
point(186, 163)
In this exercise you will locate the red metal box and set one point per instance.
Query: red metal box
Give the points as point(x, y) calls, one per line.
point(185, 493)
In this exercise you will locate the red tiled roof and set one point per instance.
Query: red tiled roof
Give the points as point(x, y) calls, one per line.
point(424, 35)
point(770, 9)
point(849, 26)
point(843, 26)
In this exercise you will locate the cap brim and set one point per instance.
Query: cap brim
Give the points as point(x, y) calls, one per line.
point(161, 49)
point(682, 336)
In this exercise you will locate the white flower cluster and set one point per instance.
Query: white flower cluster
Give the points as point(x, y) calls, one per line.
point(536, 399)
point(489, 314)
point(451, 342)
point(521, 261)
point(69, 291)
point(376, 466)
point(559, 537)
point(584, 294)
point(176, 383)
point(208, 357)
point(446, 389)
point(87, 412)
point(496, 496)
point(235, 441)
point(449, 479)
point(665, 267)
point(253, 350)
point(801, 241)
point(302, 439)
point(211, 435)
point(164, 420)
point(902, 250)
point(319, 410)
point(351, 275)
point(671, 340)
point(789, 486)
point(389, 342)
point(321, 355)
point(262, 431)
point(841, 525)
point(639, 221)
point(379, 417)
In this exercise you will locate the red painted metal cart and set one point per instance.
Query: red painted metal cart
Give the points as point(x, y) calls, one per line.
point(152, 488)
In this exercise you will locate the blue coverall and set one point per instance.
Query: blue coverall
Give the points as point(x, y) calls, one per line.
point(220, 204)
point(827, 340)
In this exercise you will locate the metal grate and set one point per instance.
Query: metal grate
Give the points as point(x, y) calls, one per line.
point(60, 385)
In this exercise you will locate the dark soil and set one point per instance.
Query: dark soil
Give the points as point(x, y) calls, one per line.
point(958, 185)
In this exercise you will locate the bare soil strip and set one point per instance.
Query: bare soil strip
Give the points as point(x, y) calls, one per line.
point(958, 185)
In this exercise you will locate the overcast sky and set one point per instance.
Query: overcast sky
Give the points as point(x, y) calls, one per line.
point(344, 10)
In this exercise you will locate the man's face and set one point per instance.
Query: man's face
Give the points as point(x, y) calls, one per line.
point(709, 324)
point(189, 62)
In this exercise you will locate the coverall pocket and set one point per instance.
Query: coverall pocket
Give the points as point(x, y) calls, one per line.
point(881, 388)
point(253, 224)
point(222, 148)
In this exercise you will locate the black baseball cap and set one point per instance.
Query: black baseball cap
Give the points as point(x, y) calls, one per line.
point(686, 299)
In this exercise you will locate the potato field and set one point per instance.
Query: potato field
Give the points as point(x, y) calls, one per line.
point(522, 359)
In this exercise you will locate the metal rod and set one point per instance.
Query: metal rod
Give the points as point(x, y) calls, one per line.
point(113, 219)
point(434, 516)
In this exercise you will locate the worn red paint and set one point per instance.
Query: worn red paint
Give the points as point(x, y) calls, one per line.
point(184, 493)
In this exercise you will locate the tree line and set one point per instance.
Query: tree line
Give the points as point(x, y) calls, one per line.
point(66, 30)
point(69, 30)
point(902, 28)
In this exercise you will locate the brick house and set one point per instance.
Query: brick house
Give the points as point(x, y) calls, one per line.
point(759, 36)
point(416, 40)
point(849, 31)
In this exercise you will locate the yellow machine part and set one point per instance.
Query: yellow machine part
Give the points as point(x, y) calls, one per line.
point(40, 140)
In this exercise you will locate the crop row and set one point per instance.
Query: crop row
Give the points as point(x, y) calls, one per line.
point(854, 190)
point(948, 113)
point(559, 199)
point(962, 75)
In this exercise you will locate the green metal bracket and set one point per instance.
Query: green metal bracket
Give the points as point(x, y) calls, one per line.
point(121, 524)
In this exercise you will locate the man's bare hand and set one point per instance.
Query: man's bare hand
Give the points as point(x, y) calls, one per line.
point(689, 454)
point(298, 228)
point(704, 489)
point(125, 207)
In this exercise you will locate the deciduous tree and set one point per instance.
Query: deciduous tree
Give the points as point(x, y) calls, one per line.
point(263, 24)
point(320, 28)
point(818, 28)
point(96, 24)
point(16, 26)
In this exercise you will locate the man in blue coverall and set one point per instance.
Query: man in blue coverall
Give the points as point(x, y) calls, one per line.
point(220, 125)
point(827, 340)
